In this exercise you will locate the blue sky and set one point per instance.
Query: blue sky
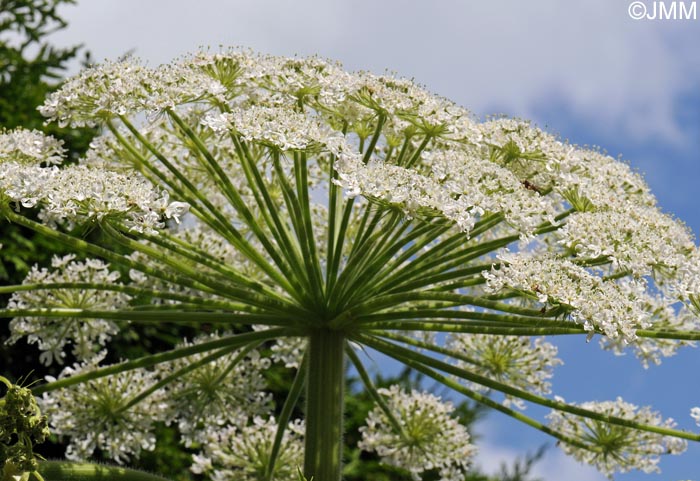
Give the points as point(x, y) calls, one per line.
point(583, 69)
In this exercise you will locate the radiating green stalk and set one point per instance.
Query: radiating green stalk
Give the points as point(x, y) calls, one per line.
point(158, 316)
point(199, 205)
point(325, 386)
point(313, 262)
point(189, 251)
point(454, 299)
point(362, 261)
point(416, 240)
point(400, 272)
point(430, 346)
point(377, 245)
point(351, 260)
point(217, 284)
point(381, 118)
point(286, 413)
point(397, 320)
point(431, 262)
point(334, 266)
point(406, 318)
point(480, 398)
point(469, 282)
point(232, 341)
point(236, 238)
point(416, 154)
point(365, 226)
point(335, 207)
point(473, 328)
point(404, 148)
point(360, 275)
point(661, 334)
point(470, 274)
point(178, 374)
point(127, 289)
point(454, 253)
point(395, 350)
point(231, 193)
point(268, 208)
point(83, 246)
point(297, 217)
point(374, 394)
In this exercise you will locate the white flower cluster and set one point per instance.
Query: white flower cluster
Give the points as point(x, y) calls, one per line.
point(603, 181)
point(52, 334)
point(242, 453)
point(277, 127)
point(519, 362)
point(546, 162)
point(289, 351)
point(695, 414)
point(617, 448)
point(595, 302)
point(460, 186)
point(635, 238)
point(431, 440)
point(214, 395)
point(126, 87)
point(93, 414)
point(218, 400)
point(77, 194)
point(686, 285)
point(664, 317)
point(30, 147)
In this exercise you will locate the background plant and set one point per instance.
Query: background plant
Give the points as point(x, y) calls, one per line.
point(250, 144)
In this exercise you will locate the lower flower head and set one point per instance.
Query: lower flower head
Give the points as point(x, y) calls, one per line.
point(430, 439)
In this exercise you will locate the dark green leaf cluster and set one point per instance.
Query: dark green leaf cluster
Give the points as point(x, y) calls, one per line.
point(21, 427)
point(30, 69)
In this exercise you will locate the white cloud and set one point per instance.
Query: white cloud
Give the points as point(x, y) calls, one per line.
point(555, 464)
point(604, 68)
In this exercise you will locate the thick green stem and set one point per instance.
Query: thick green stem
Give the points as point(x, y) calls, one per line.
point(68, 471)
point(324, 405)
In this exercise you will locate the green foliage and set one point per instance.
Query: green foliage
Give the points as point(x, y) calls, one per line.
point(31, 68)
point(21, 427)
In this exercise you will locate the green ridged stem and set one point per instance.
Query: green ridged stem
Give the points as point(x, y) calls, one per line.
point(325, 386)
point(69, 471)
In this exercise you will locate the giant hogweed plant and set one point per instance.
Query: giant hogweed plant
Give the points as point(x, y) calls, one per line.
point(315, 216)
